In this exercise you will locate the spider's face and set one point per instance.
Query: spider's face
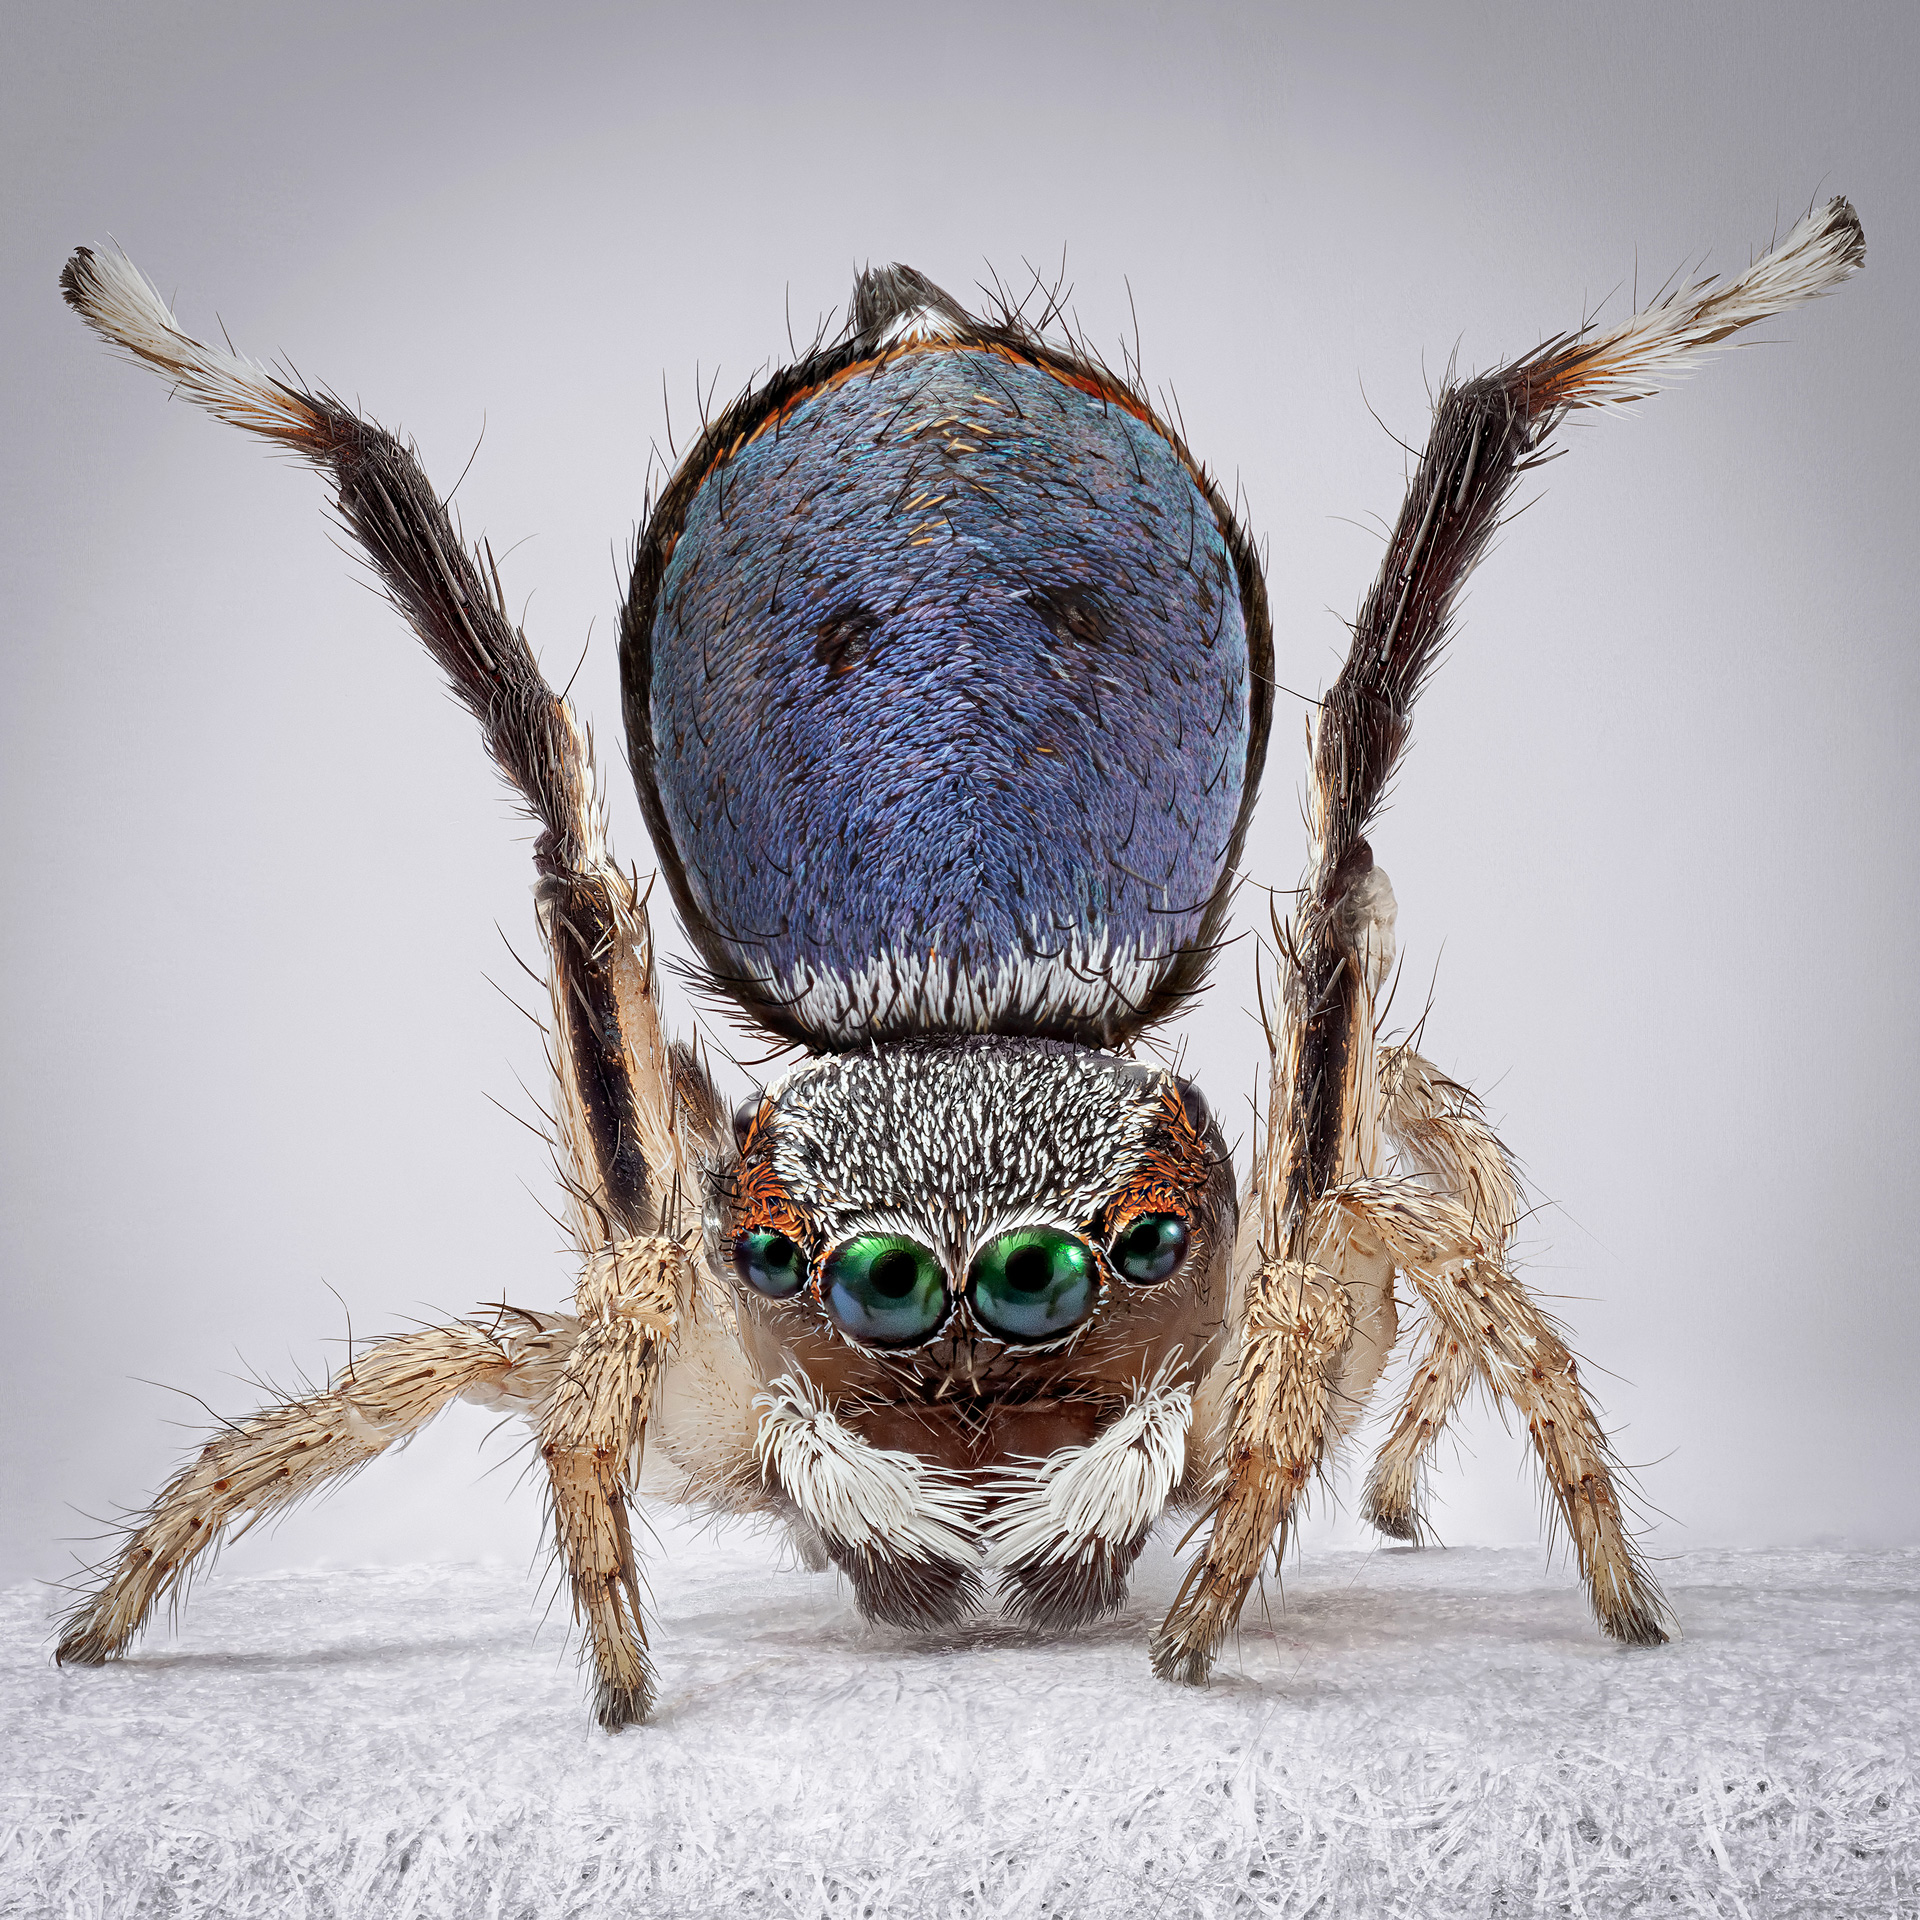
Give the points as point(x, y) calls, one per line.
point(978, 1203)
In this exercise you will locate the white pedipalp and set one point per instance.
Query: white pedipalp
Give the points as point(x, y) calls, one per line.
point(861, 1497)
point(1103, 1495)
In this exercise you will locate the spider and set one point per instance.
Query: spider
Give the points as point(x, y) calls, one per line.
point(947, 677)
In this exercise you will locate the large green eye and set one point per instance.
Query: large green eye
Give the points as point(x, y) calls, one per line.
point(770, 1263)
point(885, 1291)
point(1150, 1247)
point(1034, 1284)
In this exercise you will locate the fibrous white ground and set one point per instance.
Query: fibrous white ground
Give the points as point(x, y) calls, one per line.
point(1431, 1734)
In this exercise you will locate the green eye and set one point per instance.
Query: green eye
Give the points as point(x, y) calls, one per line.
point(885, 1291)
point(1150, 1248)
point(1034, 1284)
point(770, 1263)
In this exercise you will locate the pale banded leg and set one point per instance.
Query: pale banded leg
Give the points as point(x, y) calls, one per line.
point(1298, 1323)
point(1478, 1305)
point(904, 1533)
point(591, 1433)
point(1320, 1129)
point(285, 1452)
point(1393, 1498)
point(1066, 1532)
point(627, 1108)
point(1438, 1128)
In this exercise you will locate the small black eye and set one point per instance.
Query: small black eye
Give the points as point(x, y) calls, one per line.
point(770, 1263)
point(1147, 1250)
point(744, 1115)
point(1195, 1102)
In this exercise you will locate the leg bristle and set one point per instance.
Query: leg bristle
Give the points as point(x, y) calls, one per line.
point(1176, 1661)
point(1396, 1522)
point(615, 1707)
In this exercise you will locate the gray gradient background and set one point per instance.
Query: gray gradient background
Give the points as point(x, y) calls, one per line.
point(1656, 837)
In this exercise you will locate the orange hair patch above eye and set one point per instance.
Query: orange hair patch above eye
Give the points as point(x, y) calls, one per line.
point(1171, 1177)
point(759, 1198)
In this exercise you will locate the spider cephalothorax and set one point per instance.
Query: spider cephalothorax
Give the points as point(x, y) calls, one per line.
point(947, 675)
point(980, 1224)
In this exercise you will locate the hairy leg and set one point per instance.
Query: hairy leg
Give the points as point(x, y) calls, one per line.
point(1478, 1306)
point(1486, 432)
point(1439, 1130)
point(280, 1455)
point(631, 1115)
point(1298, 1324)
point(591, 1431)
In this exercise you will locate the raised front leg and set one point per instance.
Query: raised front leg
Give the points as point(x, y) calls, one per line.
point(1324, 1105)
point(629, 1110)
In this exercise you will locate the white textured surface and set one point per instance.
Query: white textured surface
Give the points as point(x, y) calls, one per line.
point(1428, 1734)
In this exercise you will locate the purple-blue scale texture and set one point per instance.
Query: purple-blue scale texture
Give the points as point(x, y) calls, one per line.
point(948, 707)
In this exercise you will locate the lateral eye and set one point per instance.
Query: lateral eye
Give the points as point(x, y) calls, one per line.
point(885, 1290)
point(770, 1263)
point(1147, 1250)
point(1034, 1284)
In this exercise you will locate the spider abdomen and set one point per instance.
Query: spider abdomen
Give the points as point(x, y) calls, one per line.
point(950, 704)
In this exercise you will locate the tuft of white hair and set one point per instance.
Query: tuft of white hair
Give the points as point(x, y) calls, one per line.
point(1664, 340)
point(1105, 1494)
point(126, 309)
point(860, 1497)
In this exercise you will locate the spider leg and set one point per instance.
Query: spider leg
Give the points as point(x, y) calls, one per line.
point(633, 1118)
point(1514, 1347)
point(1392, 1500)
point(280, 1455)
point(1438, 1129)
point(1284, 1398)
point(591, 1433)
point(1322, 1115)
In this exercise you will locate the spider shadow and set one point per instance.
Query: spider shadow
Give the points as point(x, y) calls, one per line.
point(344, 1656)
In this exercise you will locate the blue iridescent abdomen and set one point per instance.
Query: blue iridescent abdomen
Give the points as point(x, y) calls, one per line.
point(947, 707)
